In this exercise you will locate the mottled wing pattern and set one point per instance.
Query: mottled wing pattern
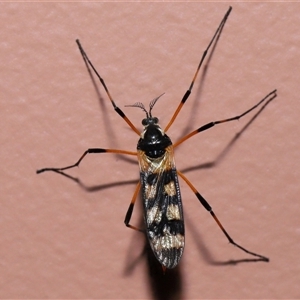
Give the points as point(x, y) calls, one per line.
point(163, 212)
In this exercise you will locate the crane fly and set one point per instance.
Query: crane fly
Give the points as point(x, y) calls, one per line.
point(159, 184)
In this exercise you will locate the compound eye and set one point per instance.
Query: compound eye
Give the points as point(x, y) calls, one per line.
point(145, 122)
point(155, 120)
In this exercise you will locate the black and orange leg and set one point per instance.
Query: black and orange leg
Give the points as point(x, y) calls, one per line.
point(266, 99)
point(116, 108)
point(130, 208)
point(91, 150)
point(209, 209)
point(188, 92)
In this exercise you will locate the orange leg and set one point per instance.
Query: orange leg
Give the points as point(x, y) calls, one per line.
point(209, 209)
point(130, 208)
point(270, 97)
point(91, 150)
point(117, 109)
point(188, 92)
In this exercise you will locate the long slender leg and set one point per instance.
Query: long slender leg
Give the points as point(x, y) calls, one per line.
point(188, 92)
point(130, 208)
point(116, 108)
point(270, 97)
point(209, 209)
point(91, 150)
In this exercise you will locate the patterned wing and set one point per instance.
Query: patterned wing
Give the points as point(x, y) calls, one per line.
point(163, 212)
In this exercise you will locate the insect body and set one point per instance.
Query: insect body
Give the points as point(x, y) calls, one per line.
point(163, 213)
point(160, 192)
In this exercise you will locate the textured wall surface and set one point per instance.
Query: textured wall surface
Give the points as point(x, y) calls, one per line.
point(59, 240)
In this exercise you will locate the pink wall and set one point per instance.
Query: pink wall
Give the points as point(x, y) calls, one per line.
point(59, 241)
